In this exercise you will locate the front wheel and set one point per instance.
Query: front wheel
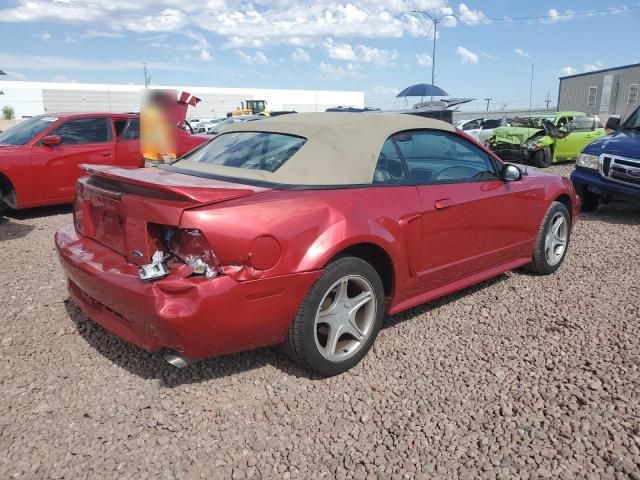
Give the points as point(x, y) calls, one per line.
point(552, 240)
point(589, 201)
point(339, 319)
point(543, 158)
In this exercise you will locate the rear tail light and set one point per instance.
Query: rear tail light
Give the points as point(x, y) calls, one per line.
point(191, 247)
point(78, 213)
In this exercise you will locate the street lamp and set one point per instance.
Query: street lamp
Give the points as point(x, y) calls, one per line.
point(435, 21)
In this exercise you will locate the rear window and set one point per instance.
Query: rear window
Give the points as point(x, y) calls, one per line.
point(491, 123)
point(248, 150)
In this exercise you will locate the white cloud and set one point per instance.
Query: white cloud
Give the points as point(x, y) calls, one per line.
point(337, 72)
point(259, 58)
point(14, 76)
point(92, 33)
point(471, 17)
point(522, 53)
point(246, 25)
point(591, 67)
point(466, 56)
point(424, 59)
point(45, 62)
point(63, 79)
point(564, 71)
point(386, 91)
point(201, 45)
point(359, 53)
point(489, 55)
point(69, 39)
point(44, 36)
point(300, 55)
point(554, 16)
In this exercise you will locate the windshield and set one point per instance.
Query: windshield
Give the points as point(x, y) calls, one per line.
point(633, 122)
point(23, 132)
point(249, 150)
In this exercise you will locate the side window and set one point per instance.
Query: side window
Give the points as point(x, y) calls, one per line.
point(131, 131)
point(562, 121)
point(440, 157)
point(389, 169)
point(84, 130)
point(471, 125)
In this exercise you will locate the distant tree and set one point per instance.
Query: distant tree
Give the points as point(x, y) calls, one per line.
point(8, 113)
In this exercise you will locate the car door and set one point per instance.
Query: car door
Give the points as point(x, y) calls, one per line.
point(582, 131)
point(83, 140)
point(471, 220)
point(128, 145)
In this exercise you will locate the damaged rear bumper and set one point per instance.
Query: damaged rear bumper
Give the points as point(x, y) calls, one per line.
point(194, 316)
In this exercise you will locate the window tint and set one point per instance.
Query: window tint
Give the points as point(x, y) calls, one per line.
point(491, 123)
point(440, 157)
point(24, 131)
point(389, 169)
point(84, 130)
point(580, 124)
point(251, 150)
point(132, 130)
point(472, 125)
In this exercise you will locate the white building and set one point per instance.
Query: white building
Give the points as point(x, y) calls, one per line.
point(33, 98)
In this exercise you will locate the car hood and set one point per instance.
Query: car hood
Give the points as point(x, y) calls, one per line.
point(514, 135)
point(625, 143)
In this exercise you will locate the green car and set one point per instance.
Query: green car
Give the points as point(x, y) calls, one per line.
point(542, 140)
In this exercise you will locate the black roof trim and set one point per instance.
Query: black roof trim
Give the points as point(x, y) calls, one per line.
point(623, 67)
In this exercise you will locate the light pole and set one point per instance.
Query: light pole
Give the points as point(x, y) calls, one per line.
point(435, 21)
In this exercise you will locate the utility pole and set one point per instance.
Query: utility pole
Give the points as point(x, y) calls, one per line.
point(147, 75)
point(488, 100)
point(435, 21)
point(548, 99)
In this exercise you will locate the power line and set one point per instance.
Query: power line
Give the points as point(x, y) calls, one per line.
point(560, 15)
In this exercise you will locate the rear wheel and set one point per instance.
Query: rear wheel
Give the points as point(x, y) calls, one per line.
point(543, 158)
point(339, 319)
point(552, 240)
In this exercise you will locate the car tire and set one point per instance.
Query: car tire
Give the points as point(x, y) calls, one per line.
point(330, 334)
point(552, 240)
point(589, 201)
point(542, 158)
point(4, 208)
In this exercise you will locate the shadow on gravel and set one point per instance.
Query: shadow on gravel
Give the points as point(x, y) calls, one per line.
point(151, 366)
point(614, 213)
point(39, 212)
point(10, 230)
point(391, 322)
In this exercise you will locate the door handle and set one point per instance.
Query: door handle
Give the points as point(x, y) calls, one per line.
point(443, 203)
point(105, 154)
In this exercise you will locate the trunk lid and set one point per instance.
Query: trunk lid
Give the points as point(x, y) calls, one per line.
point(126, 209)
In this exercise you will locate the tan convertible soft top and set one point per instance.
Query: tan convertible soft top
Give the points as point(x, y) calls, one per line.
point(341, 149)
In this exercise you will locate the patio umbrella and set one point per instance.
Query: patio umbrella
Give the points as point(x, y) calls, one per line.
point(423, 90)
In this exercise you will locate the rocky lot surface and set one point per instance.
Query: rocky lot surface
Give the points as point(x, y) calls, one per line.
point(519, 377)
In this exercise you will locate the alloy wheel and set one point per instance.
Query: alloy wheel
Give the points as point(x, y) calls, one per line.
point(556, 239)
point(345, 318)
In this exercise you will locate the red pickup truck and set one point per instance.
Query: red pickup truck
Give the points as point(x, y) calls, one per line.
point(40, 157)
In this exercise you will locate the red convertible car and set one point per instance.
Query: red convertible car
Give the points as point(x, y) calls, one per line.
point(304, 230)
point(40, 157)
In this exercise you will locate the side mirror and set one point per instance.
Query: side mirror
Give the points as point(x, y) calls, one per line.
point(613, 123)
point(52, 140)
point(510, 173)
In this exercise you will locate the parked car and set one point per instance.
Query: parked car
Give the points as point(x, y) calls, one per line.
point(50, 148)
point(470, 124)
point(223, 124)
point(306, 230)
point(509, 142)
point(563, 144)
point(609, 168)
point(486, 129)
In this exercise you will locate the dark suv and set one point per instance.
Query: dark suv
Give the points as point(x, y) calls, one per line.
point(609, 168)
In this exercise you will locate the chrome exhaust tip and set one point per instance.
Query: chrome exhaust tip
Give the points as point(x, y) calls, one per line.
point(177, 360)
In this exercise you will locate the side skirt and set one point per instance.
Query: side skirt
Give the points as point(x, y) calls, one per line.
point(460, 284)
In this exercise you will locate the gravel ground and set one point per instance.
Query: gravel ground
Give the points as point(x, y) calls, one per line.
point(520, 377)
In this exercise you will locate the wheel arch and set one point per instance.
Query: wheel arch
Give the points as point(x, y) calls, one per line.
point(7, 188)
point(376, 256)
point(565, 199)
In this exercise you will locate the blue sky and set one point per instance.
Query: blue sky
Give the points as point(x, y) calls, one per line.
point(371, 45)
